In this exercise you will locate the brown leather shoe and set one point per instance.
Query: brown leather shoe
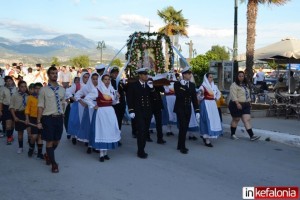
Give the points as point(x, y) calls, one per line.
point(54, 168)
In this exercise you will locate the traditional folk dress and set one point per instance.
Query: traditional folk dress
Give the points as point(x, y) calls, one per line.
point(77, 109)
point(170, 100)
point(105, 132)
point(85, 113)
point(210, 123)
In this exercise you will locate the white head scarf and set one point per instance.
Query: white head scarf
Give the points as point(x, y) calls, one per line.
point(89, 85)
point(106, 90)
point(211, 87)
point(207, 84)
point(81, 79)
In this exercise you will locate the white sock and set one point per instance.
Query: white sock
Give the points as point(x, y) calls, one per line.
point(101, 153)
point(169, 127)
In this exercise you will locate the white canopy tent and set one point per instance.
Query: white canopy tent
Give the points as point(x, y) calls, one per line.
point(286, 51)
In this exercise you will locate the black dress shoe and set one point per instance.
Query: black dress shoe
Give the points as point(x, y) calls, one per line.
point(150, 131)
point(74, 141)
point(149, 140)
point(106, 157)
point(193, 138)
point(142, 155)
point(184, 151)
point(207, 144)
point(89, 150)
point(170, 133)
point(119, 144)
point(101, 159)
point(86, 144)
point(161, 141)
point(68, 136)
point(96, 151)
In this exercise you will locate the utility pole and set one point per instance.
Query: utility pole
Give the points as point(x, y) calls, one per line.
point(235, 42)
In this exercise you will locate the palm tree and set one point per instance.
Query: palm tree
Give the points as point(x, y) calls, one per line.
point(175, 24)
point(252, 8)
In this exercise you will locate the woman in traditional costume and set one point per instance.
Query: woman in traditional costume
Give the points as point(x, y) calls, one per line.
point(105, 128)
point(76, 107)
point(210, 123)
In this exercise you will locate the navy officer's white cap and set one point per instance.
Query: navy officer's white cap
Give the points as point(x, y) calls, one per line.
point(186, 69)
point(142, 70)
point(101, 66)
point(159, 76)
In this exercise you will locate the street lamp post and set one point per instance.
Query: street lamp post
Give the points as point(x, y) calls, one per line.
point(235, 42)
point(101, 46)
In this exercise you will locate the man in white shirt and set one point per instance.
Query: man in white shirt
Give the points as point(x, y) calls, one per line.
point(65, 78)
point(29, 78)
point(260, 79)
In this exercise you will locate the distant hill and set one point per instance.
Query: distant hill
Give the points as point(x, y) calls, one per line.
point(64, 47)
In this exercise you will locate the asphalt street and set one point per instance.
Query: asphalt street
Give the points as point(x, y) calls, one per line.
point(205, 173)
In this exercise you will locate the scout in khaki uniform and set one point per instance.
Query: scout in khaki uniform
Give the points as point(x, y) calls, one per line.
point(50, 115)
point(5, 96)
point(17, 109)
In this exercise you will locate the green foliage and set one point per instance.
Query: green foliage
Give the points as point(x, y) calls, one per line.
point(220, 51)
point(116, 62)
point(174, 21)
point(82, 61)
point(55, 61)
point(200, 65)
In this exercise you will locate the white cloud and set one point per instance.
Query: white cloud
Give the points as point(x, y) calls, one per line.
point(25, 29)
point(133, 21)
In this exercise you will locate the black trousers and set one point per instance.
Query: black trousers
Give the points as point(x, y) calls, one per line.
point(158, 122)
point(120, 111)
point(183, 118)
point(142, 122)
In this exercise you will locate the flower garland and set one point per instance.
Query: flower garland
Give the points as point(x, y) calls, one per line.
point(143, 42)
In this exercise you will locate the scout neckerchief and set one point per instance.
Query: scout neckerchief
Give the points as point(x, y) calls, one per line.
point(246, 91)
point(23, 99)
point(55, 90)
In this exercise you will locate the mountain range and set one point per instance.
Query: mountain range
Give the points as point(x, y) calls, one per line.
point(63, 47)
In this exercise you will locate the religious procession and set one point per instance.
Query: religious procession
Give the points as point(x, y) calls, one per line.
point(91, 104)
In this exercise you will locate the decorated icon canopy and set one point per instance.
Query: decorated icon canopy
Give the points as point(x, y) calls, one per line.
point(145, 49)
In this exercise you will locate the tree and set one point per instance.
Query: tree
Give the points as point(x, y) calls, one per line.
point(175, 24)
point(82, 61)
point(252, 8)
point(55, 61)
point(200, 65)
point(116, 62)
point(220, 52)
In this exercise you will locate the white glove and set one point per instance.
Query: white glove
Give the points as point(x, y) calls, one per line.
point(131, 115)
point(198, 117)
point(150, 84)
point(167, 89)
point(182, 82)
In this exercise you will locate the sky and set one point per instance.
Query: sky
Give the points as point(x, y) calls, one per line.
point(210, 21)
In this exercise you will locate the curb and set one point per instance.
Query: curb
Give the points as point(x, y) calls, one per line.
point(284, 138)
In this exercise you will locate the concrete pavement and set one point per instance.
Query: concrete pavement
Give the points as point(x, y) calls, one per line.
point(205, 173)
point(281, 130)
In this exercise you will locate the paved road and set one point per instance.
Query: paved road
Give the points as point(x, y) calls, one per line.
point(205, 173)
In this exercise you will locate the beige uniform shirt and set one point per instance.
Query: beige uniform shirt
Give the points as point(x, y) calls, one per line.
point(238, 93)
point(5, 95)
point(16, 101)
point(47, 100)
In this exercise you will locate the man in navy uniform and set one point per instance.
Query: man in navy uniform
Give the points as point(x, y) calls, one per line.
point(185, 92)
point(139, 96)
